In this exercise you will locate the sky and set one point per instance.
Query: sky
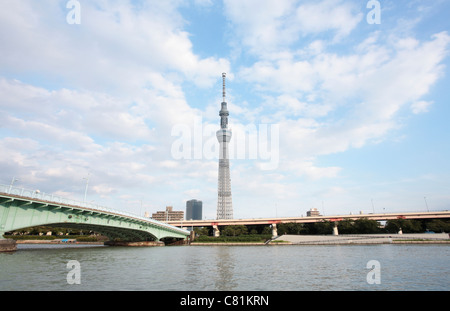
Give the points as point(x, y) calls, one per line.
point(339, 105)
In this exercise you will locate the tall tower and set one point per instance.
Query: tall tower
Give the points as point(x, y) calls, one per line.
point(224, 202)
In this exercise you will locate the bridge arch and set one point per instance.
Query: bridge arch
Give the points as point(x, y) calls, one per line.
point(112, 233)
point(18, 212)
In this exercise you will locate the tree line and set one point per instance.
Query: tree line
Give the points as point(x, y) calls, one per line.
point(347, 226)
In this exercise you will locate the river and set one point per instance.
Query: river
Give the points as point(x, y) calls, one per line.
point(228, 268)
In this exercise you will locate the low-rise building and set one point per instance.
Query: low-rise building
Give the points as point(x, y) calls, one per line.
point(313, 212)
point(168, 215)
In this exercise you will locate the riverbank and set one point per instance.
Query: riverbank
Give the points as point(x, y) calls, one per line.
point(57, 242)
point(412, 238)
point(362, 239)
point(238, 243)
point(354, 239)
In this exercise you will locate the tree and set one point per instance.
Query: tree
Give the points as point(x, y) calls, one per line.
point(438, 225)
point(323, 227)
point(365, 226)
point(234, 230)
point(202, 231)
point(266, 230)
point(290, 228)
point(346, 226)
point(407, 226)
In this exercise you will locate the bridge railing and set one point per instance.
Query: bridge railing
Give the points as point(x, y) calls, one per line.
point(38, 195)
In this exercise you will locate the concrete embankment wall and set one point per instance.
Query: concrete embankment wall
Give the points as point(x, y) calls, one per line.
point(56, 242)
point(439, 238)
point(225, 244)
point(8, 245)
point(135, 244)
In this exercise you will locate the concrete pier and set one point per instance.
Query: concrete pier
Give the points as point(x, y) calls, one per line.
point(216, 231)
point(274, 231)
point(8, 245)
point(335, 229)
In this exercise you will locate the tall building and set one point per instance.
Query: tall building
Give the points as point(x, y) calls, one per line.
point(168, 215)
point(194, 210)
point(224, 202)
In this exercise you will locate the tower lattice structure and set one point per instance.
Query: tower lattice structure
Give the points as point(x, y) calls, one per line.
point(224, 200)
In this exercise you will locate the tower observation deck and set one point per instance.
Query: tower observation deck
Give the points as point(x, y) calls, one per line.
point(224, 201)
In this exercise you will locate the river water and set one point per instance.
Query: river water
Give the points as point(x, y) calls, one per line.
point(228, 268)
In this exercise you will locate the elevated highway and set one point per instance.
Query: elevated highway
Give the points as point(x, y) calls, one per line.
point(309, 219)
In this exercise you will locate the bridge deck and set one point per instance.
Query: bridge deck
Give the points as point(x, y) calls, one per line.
point(21, 208)
point(310, 219)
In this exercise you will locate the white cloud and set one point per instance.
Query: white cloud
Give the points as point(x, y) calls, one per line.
point(420, 106)
point(206, 3)
point(102, 97)
point(64, 115)
point(365, 90)
point(329, 101)
point(260, 23)
point(16, 151)
point(316, 17)
point(306, 167)
point(115, 48)
point(267, 27)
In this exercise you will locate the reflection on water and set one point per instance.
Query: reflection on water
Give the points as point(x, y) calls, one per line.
point(225, 268)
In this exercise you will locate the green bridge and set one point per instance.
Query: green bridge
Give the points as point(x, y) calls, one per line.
point(22, 208)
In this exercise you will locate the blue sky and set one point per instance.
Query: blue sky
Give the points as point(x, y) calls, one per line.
point(361, 109)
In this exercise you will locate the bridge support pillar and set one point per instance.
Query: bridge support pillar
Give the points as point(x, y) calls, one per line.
point(274, 231)
point(7, 245)
point(335, 228)
point(216, 231)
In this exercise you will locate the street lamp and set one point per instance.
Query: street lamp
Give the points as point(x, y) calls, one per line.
point(12, 183)
point(425, 198)
point(85, 191)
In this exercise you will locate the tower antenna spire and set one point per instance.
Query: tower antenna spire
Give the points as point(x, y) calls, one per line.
point(224, 200)
point(224, 93)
